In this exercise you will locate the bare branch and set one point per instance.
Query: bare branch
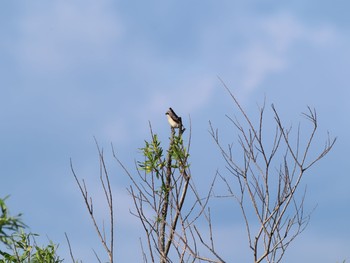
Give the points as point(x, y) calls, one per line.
point(70, 248)
point(272, 192)
point(104, 179)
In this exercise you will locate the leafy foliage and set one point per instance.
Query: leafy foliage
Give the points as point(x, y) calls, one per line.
point(8, 224)
point(21, 246)
point(153, 153)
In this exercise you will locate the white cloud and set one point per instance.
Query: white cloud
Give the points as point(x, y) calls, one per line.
point(190, 96)
point(66, 34)
point(285, 30)
point(258, 63)
point(281, 31)
point(269, 43)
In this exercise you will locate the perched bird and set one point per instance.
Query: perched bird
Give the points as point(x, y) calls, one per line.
point(174, 120)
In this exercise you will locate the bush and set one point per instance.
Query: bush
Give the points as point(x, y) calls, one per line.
point(20, 246)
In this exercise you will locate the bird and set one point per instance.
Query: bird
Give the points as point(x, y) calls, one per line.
point(174, 120)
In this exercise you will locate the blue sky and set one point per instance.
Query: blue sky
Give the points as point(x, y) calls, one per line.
point(71, 70)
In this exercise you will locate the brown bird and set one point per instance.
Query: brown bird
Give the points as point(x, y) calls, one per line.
point(174, 120)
